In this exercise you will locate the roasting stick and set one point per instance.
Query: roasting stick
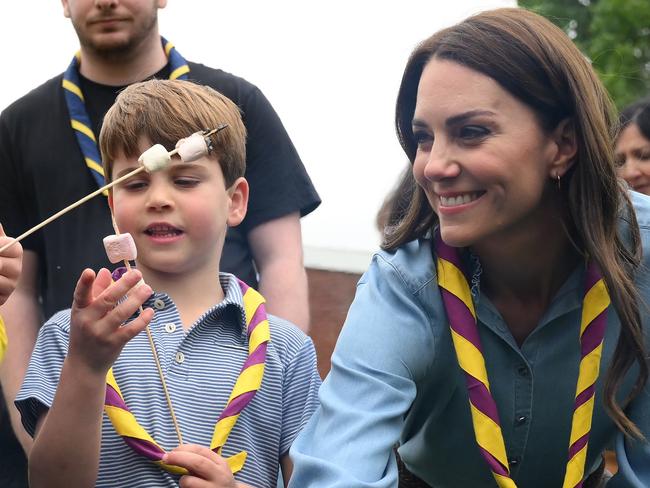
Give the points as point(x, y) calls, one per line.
point(92, 195)
point(155, 355)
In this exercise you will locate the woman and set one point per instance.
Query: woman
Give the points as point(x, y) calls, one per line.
point(516, 217)
point(633, 146)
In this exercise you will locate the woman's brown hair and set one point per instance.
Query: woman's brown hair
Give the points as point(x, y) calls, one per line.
point(538, 64)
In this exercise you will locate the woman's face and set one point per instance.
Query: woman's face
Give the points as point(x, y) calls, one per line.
point(483, 160)
point(633, 154)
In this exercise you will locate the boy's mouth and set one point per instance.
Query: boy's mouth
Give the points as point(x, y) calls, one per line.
point(162, 230)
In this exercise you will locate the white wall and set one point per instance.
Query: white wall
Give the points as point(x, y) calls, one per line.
point(331, 70)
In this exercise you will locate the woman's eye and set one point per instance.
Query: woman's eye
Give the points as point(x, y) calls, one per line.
point(422, 138)
point(472, 132)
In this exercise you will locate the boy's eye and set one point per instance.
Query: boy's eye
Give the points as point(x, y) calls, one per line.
point(472, 132)
point(134, 185)
point(186, 182)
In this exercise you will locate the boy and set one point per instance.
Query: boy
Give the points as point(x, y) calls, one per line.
point(178, 218)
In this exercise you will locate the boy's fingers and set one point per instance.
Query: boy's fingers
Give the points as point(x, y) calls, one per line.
point(135, 298)
point(198, 465)
point(102, 281)
point(200, 450)
point(114, 293)
point(133, 328)
point(82, 297)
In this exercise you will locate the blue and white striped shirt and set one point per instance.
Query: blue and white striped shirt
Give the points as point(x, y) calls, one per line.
point(200, 367)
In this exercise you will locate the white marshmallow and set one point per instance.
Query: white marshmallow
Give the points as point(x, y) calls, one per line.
point(155, 158)
point(120, 247)
point(192, 148)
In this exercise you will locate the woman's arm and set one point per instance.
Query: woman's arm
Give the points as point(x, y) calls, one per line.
point(385, 345)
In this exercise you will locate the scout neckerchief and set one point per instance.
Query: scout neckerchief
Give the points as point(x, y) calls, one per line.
point(458, 304)
point(79, 118)
point(247, 384)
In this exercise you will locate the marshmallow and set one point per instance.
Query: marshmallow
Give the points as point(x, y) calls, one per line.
point(120, 247)
point(192, 148)
point(155, 158)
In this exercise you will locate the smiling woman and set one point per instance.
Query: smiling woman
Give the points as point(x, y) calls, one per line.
point(511, 274)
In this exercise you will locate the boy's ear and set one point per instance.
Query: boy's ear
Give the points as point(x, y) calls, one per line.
point(238, 194)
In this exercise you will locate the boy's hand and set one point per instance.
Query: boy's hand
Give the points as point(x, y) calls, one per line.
point(96, 332)
point(11, 262)
point(207, 469)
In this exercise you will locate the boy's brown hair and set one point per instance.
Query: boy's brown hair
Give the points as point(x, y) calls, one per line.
point(164, 111)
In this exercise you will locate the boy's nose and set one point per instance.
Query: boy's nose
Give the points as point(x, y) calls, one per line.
point(158, 197)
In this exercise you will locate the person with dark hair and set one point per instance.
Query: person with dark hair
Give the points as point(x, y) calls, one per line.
point(633, 146)
point(500, 337)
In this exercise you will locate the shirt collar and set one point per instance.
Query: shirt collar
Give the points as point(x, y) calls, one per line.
point(232, 298)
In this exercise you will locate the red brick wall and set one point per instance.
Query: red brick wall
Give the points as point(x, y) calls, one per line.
point(330, 296)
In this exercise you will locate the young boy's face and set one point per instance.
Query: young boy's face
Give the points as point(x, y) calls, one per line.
point(177, 216)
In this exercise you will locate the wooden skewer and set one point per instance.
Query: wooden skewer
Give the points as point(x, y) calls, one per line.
point(76, 204)
point(154, 351)
point(92, 195)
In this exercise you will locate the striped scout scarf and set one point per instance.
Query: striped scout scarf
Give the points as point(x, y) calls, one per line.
point(247, 384)
point(79, 118)
point(458, 304)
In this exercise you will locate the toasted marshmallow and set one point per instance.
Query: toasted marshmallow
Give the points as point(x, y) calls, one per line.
point(192, 148)
point(120, 247)
point(155, 158)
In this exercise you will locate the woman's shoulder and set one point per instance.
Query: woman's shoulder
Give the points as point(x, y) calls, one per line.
point(412, 263)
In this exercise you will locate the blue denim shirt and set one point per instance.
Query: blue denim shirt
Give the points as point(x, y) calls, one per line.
point(395, 379)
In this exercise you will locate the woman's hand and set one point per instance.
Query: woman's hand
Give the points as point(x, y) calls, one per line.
point(97, 334)
point(207, 469)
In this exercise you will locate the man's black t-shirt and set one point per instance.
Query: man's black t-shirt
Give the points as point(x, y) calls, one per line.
point(42, 171)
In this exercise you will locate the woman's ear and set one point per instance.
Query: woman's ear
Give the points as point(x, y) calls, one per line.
point(566, 144)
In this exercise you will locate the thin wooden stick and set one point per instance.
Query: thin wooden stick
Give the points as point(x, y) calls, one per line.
point(75, 205)
point(154, 351)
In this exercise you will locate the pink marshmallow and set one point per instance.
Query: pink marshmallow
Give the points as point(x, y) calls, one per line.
point(120, 247)
point(192, 148)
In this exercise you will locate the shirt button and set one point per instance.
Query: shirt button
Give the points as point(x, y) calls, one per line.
point(522, 370)
point(513, 461)
point(521, 420)
point(171, 327)
point(180, 357)
point(158, 304)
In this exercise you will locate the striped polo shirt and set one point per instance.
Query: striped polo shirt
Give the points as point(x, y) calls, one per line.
point(201, 366)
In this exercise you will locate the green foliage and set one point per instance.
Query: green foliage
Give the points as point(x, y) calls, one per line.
point(614, 34)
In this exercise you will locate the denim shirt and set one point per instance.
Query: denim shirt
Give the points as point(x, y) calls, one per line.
point(395, 379)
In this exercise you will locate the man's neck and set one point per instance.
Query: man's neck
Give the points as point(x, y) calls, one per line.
point(124, 68)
